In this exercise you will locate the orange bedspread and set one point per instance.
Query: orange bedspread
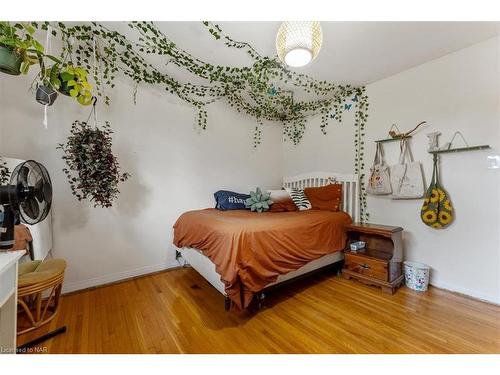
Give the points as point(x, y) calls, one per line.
point(250, 250)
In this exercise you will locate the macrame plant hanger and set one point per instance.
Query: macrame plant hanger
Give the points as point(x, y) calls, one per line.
point(48, 50)
point(97, 70)
point(93, 112)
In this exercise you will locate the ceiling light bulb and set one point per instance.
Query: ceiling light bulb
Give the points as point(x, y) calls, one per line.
point(298, 57)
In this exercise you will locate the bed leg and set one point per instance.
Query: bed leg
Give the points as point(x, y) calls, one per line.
point(338, 267)
point(178, 257)
point(260, 299)
point(227, 303)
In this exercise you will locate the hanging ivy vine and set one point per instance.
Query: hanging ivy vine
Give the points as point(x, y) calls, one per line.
point(359, 154)
point(265, 89)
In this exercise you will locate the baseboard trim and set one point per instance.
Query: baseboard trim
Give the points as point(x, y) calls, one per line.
point(465, 292)
point(76, 286)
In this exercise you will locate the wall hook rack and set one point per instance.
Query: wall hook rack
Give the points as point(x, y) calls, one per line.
point(448, 148)
point(459, 149)
point(398, 135)
point(393, 139)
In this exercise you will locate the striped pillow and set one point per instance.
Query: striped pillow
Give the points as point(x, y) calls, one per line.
point(299, 198)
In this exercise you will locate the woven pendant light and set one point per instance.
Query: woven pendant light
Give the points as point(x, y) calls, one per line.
point(298, 42)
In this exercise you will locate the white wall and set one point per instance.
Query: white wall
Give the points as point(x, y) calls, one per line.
point(174, 168)
point(459, 91)
point(333, 152)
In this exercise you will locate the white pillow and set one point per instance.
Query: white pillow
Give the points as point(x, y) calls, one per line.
point(299, 198)
point(278, 195)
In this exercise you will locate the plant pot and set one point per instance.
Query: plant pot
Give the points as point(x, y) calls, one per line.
point(10, 61)
point(45, 95)
point(64, 89)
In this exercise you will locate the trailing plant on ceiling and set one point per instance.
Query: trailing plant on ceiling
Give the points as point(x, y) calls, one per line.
point(265, 89)
point(93, 171)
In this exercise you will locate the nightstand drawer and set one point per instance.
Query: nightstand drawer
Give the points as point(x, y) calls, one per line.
point(367, 266)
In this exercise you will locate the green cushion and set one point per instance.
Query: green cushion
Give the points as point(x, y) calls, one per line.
point(28, 267)
point(38, 271)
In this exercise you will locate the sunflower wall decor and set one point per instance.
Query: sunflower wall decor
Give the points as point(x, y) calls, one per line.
point(437, 210)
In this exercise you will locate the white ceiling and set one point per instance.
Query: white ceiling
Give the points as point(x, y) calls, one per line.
point(353, 52)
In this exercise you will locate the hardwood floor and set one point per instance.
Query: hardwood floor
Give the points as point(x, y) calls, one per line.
point(179, 312)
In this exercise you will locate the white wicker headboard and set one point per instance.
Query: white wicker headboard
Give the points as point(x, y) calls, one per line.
point(350, 187)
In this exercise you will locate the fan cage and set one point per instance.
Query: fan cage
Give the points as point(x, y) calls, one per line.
point(37, 175)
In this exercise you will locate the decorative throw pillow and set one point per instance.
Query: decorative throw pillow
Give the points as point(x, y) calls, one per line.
point(258, 201)
point(229, 200)
point(282, 202)
point(299, 198)
point(326, 198)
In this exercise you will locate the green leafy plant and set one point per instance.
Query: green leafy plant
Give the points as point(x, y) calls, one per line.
point(68, 80)
point(4, 172)
point(92, 170)
point(19, 41)
point(49, 76)
point(265, 89)
point(72, 81)
point(258, 201)
point(360, 119)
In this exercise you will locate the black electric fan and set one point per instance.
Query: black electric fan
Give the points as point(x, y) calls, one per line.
point(28, 198)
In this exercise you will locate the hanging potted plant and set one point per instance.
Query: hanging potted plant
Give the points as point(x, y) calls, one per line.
point(45, 94)
point(69, 81)
point(93, 171)
point(18, 49)
point(72, 81)
point(48, 83)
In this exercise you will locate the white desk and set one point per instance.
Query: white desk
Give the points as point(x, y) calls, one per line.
point(8, 300)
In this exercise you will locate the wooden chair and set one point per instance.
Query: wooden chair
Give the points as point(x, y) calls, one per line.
point(39, 291)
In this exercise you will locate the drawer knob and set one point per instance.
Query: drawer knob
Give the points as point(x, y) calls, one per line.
point(364, 266)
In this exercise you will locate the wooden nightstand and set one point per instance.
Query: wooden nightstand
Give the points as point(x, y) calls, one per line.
point(379, 263)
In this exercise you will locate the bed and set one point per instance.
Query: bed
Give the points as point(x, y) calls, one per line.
point(243, 253)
